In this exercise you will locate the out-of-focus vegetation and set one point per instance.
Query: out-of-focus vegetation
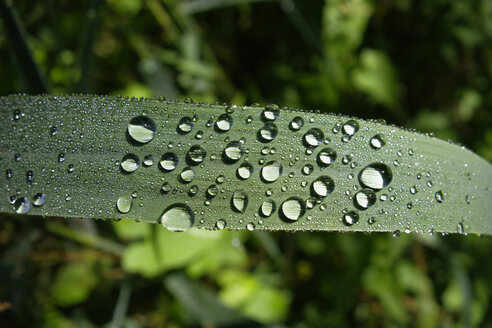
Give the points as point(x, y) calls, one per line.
point(420, 64)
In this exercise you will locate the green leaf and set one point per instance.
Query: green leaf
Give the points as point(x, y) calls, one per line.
point(73, 283)
point(218, 167)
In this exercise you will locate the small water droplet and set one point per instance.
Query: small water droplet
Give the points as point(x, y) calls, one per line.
point(322, 187)
point(413, 190)
point(39, 199)
point(244, 171)
point(439, 196)
point(187, 175)
point(166, 187)
point(350, 218)
point(313, 138)
point(350, 127)
point(326, 157)
point(17, 114)
point(29, 176)
point(224, 123)
point(168, 162)
point(148, 160)
point(22, 205)
point(307, 169)
point(375, 176)
point(250, 226)
point(221, 224)
point(124, 203)
point(239, 201)
point(8, 174)
point(141, 129)
point(130, 163)
point(371, 220)
point(267, 208)
point(61, 157)
point(232, 152)
point(459, 228)
point(270, 113)
point(196, 155)
point(185, 125)
point(377, 142)
point(178, 218)
point(292, 209)
point(271, 171)
point(193, 190)
point(267, 133)
point(53, 131)
point(396, 233)
point(364, 199)
point(220, 179)
point(212, 191)
point(296, 124)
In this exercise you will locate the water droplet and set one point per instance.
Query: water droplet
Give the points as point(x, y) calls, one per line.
point(39, 199)
point(251, 226)
point(244, 171)
point(71, 168)
point(17, 114)
point(187, 175)
point(350, 127)
point(124, 203)
point(292, 209)
point(8, 174)
point(224, 123)
point(178, 218)
point(61, 157)
point(326, 157)
point(130, 163)
point(439, 196)
point(271, 171)
point(169, 161)
point(239, 201)
point(22, 205)
point(350, 218)
point(141, 129)
point(322, 187)
point(371, 220)
point(375, 176)
point(413, 190)
point(185, 125)
point(307, 169)
point(148, 160)
point(313, 138)
point(267, 133)
point(377, 142)
point(212, 191)
point(267, 208)
point(196, 155)
point(296, 124)
point(270, 113)
point(460, 229)
point(29, 176)
point(396, 233)
point(346, 159)
point(220, 179)
point(233, 152)
point(53, 131)
point(221, 224)
point(193, 190)
point(364, 199)
point(166, 187)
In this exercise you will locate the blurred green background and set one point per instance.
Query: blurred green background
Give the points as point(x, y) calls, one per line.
point(424, 65)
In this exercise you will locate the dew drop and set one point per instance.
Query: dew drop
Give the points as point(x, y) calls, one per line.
point(271, 171)
point(313, 138)
point(130, 163)
point(322, 187)
point(292, 209)
point(185, 125)
point(350, 127)
point(22, 205)
point(239, 201)
point(326, 157)
point(224, 123)
point(375, 176)
point(307, 169)
point(141, 129)
point(221, 224)
point(168, 162)
point(364, 199)
point(166, 187)
point(212, 191)
point(39, 199)
point(267, 208)
point(350, 218)
point(377, 142)
point(124, 203)
point(148, 160)
point(187, 175)
point(439, 196)
point(196, 155)
point(267, 133)
point(232, 152)
point(296, 124)
point(270, 113)
point(251, 226)
point(177, 218)
point(244, 171)
point(8, 174)
point(53, 131)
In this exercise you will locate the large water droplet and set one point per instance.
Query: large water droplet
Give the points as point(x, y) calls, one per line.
point(169, 161)
point(232, 152)
point(364, 199)
point(350, 127)
point(239, 201)
point(296, 124)
point(141, 129)
point(267, 208)
point(271, 171)
point(22, 205)
point(244, 171)
point(326, 157)
point(292, 209)
point(375, 176)
point(270, 113)
point(178, 218)
point(187, 175)
point(185, 125)
point(350, 218)
point(313, 138)
point(130, 163)
point(124, 203)
point(39, 199)
point(377, 142)
point(196, 155)
point(268, 132)
point(322, 187)
point(224, 123)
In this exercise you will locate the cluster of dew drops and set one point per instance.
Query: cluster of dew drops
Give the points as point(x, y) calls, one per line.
point(180, 217)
